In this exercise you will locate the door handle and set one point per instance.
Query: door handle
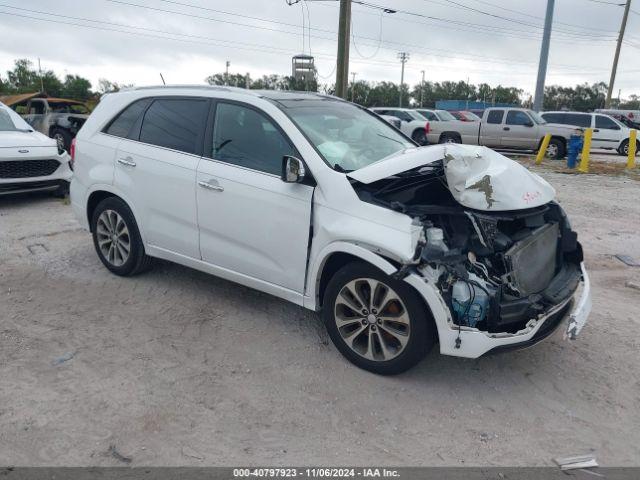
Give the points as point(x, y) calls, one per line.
point(210, 186)
point(128, 161)
point(596, 129)
point(506, 129)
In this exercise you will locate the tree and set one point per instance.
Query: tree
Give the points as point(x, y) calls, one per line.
point(76, 87)
point(23, 78)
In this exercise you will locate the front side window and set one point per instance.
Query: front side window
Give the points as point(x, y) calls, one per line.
point(606, 123)
point(428, 115)
point(445, 116)
point(174, 123)
point(516, 117)
point(495, 116)
point(247, 138)
point(122, 125)
point(346, 137)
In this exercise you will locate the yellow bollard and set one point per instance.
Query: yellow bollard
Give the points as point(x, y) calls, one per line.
point(543, 148)
point(631, 161)
point(584, 158)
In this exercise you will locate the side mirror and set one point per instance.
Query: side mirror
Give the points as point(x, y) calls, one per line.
point(528, 124)
point(293, 170)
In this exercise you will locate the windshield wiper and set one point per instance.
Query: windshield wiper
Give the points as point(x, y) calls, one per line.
point(338, 168)
point(392, 139)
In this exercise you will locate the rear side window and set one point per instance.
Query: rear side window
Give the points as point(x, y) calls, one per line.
point(122, 125)
point(429, 115)
point(245, 137)
point(606, 123)
point(175, 123)
point(495, 116)
point(516, 117)
point(553, 117)
point(577, 120)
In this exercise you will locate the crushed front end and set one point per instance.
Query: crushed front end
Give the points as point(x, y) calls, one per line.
point(493, 279)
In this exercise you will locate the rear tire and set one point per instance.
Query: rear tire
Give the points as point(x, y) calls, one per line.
point(420, 137)
point(117, 239)
point(62, 137)
point(377, 322)
point(623, 149)
point(449, 138)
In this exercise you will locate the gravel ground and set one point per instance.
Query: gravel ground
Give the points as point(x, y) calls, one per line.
point(179, 368)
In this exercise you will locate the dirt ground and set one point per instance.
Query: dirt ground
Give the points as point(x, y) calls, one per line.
point(175, 367)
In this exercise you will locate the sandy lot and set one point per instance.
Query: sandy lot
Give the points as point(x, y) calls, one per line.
point(179, 368)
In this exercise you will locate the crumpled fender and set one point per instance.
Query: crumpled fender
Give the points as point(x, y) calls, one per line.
point(483, 179)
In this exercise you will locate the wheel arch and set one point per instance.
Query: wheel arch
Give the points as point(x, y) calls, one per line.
point(446, 134)
point(99, 193)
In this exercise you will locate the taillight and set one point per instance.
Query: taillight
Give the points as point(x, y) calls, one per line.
point(72, 151)
point(427, 128)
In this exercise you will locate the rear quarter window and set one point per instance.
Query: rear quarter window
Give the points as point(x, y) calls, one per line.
point(122, 124)
point(495, 116)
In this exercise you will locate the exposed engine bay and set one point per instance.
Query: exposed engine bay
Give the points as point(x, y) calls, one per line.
point(496, 270)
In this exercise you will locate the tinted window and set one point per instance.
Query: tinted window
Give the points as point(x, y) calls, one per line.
point(245, 137)
point(553, 117)
point(429, 115)
point(123, 124)
point(174, 123)
point(606, 123)
point(495, 116)
point(516, 117)
point(577, 120)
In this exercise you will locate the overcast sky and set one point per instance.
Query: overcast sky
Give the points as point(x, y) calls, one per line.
point(187, 40)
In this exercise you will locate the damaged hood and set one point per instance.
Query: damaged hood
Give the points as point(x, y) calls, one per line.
point(477, 177)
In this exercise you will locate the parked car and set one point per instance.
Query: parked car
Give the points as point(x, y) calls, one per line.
point(395, 121)
point(436, 115)
point(622, 115)
point(58, 118)
point(466, 116)
point(505, 128)
point(322, 203)
point(608, 133)
point(30, 161)
point(412, 124)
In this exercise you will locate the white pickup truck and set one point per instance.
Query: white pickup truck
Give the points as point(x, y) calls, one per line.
point(504, 128)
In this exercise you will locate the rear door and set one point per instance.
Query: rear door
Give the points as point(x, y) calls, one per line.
point(519, 131)
point(606, 133)
point(156, 170)
point(251, 222)
point(491, 128)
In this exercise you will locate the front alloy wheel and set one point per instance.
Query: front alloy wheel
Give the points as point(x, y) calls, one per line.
point(371, 319)
point(378, 322)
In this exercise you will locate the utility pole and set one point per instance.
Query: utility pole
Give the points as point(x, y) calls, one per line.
point(538, 99)
point(344, 36)
point(40, 74)
point(612, 80)
point(422, 90)
point(353, 86)
point(403, 56)
point(247, 81)
point(226, 74)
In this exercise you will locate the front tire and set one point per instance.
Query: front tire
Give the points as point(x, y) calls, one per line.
point(556, 149)
point(117, 239)
point(624, 147)
point(449, 138)
point(378, 323)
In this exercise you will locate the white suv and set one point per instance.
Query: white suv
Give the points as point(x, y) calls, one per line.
point(322, 203)
point(608, 133)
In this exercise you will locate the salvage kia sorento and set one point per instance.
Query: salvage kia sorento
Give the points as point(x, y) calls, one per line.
point(320, 202)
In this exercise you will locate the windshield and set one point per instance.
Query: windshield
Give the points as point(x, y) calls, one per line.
point(11, 121)
point(347, 137)
point(536, 117)
point(445, 116)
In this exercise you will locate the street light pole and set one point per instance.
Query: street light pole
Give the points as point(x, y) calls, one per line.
point(538, 99)
point(612, 80)
point(353, 86)
point(344, 34)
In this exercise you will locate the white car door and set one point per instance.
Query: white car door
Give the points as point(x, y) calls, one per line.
point(606, 133)
point(251, 222)
point(519, 131)
point(491, 128)
point(157, 172)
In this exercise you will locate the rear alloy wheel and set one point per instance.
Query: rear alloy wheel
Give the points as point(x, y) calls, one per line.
point(117, 239)
point(377, 322)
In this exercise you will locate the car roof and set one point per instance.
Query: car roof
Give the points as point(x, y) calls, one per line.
point(269, 94)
